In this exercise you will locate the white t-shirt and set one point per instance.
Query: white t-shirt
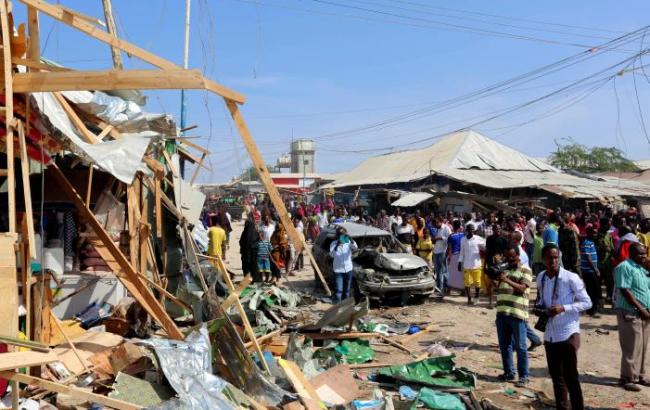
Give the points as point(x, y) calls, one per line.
point(394, 220)
point(402, 229)
point(322, 220)
point(268, 230)
point(300, 227)
point(531, 227)
point(470, 252)
point(443, 233)
point(523, 257)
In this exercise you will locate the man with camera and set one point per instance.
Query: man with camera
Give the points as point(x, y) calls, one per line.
point(561, 296)
point(632, 301)
point(341, 252)
point(512, 291)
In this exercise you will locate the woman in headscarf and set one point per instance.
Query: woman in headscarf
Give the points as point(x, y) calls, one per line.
point(280, 253)
point(248, 248)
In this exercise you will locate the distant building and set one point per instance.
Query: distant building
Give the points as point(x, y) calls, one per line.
point(303, 154)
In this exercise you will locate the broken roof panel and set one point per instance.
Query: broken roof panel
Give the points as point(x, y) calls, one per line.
point(121, 158)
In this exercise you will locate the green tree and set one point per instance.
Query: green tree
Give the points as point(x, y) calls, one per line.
point(590, 160)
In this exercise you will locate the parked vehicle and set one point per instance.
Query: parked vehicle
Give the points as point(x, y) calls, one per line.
point(382, 267)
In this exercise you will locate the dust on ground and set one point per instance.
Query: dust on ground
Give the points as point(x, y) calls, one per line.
point(470, 333)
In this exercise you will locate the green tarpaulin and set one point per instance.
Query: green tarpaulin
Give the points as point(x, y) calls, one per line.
point(435, 372)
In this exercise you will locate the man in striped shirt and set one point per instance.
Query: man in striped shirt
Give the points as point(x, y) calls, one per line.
point(512, 314)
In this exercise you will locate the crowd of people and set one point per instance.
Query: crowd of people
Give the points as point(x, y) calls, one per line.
point(581, 261)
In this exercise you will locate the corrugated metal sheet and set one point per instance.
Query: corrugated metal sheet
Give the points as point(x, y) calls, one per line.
point(470, 157)
point(412, 199)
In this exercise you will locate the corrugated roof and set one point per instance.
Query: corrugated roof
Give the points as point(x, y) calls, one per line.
point(468, 156)
point(412, 199)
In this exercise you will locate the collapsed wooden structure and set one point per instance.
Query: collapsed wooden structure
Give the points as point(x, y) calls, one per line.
point(26, 75)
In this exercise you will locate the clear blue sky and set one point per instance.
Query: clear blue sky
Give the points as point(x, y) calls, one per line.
point(312, 68)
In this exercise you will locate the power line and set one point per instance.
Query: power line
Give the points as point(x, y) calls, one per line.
point(451, 26)
point(492, 89)
point(541, 22)
point(483, 21)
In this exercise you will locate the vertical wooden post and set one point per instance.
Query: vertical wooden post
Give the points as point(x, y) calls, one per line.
point(271, 189)
point(27, 189)
point(9, 113)
point(110, 25)
point(89, 188)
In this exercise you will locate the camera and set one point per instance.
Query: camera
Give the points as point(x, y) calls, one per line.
point(493, 271)
point(542, 313)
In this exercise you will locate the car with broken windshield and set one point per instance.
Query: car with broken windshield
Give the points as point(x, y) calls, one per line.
point(383, 269)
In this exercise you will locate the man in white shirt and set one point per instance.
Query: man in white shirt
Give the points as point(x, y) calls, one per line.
point(529, 237)
point(469, 261)
point(394, 220)
point(562, 295)
point(440, 254)
point(341, 252)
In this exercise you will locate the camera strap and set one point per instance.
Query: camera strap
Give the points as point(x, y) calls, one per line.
point(540, 292)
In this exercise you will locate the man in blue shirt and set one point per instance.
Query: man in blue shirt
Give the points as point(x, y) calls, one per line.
point(550, 234)
point(589, 270)
point(341, 252)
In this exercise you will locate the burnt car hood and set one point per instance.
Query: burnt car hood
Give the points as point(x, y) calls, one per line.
point(399, 261)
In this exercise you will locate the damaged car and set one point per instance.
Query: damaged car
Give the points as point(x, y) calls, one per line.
point(383, 269)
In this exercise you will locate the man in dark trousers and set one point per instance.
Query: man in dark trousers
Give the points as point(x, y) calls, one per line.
point(562, 295)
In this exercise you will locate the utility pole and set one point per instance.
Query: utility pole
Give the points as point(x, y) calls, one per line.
point(112, 30)
point(186, 60)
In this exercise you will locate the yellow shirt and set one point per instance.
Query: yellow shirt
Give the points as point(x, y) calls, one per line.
point(216, 237)
point(644, 238)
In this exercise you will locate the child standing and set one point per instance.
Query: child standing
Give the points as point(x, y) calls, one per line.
point(264, 249)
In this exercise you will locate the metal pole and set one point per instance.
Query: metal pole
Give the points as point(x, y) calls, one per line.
point(186, 60)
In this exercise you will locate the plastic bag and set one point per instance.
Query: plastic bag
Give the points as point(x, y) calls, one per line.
point(437, 400)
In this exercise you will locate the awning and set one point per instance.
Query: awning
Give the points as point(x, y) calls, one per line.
point(412, 199)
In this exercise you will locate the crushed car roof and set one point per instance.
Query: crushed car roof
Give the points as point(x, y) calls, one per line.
point(357, 230)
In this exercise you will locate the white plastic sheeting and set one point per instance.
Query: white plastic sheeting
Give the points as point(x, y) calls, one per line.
point(188, 199)
point(126, 116)
point(121, 158)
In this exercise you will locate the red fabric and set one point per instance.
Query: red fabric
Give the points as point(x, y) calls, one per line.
point(623, 253)
point(3, 382)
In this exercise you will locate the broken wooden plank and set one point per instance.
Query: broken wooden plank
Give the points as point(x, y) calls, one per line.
point(266, 337)
point(27, 190)
point(35, 346)
point(69, 390)
point(235, 294)
point(72, 80)
point(301, 385)
point(16, 360)
point(79, 125)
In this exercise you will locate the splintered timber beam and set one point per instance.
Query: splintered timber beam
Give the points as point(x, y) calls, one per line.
point(69, 390)
point(130, 278)
point(75, 21)
point(108, 80)
point(271, 189)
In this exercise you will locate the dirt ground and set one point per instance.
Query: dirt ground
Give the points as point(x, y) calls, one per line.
point(470, 333)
